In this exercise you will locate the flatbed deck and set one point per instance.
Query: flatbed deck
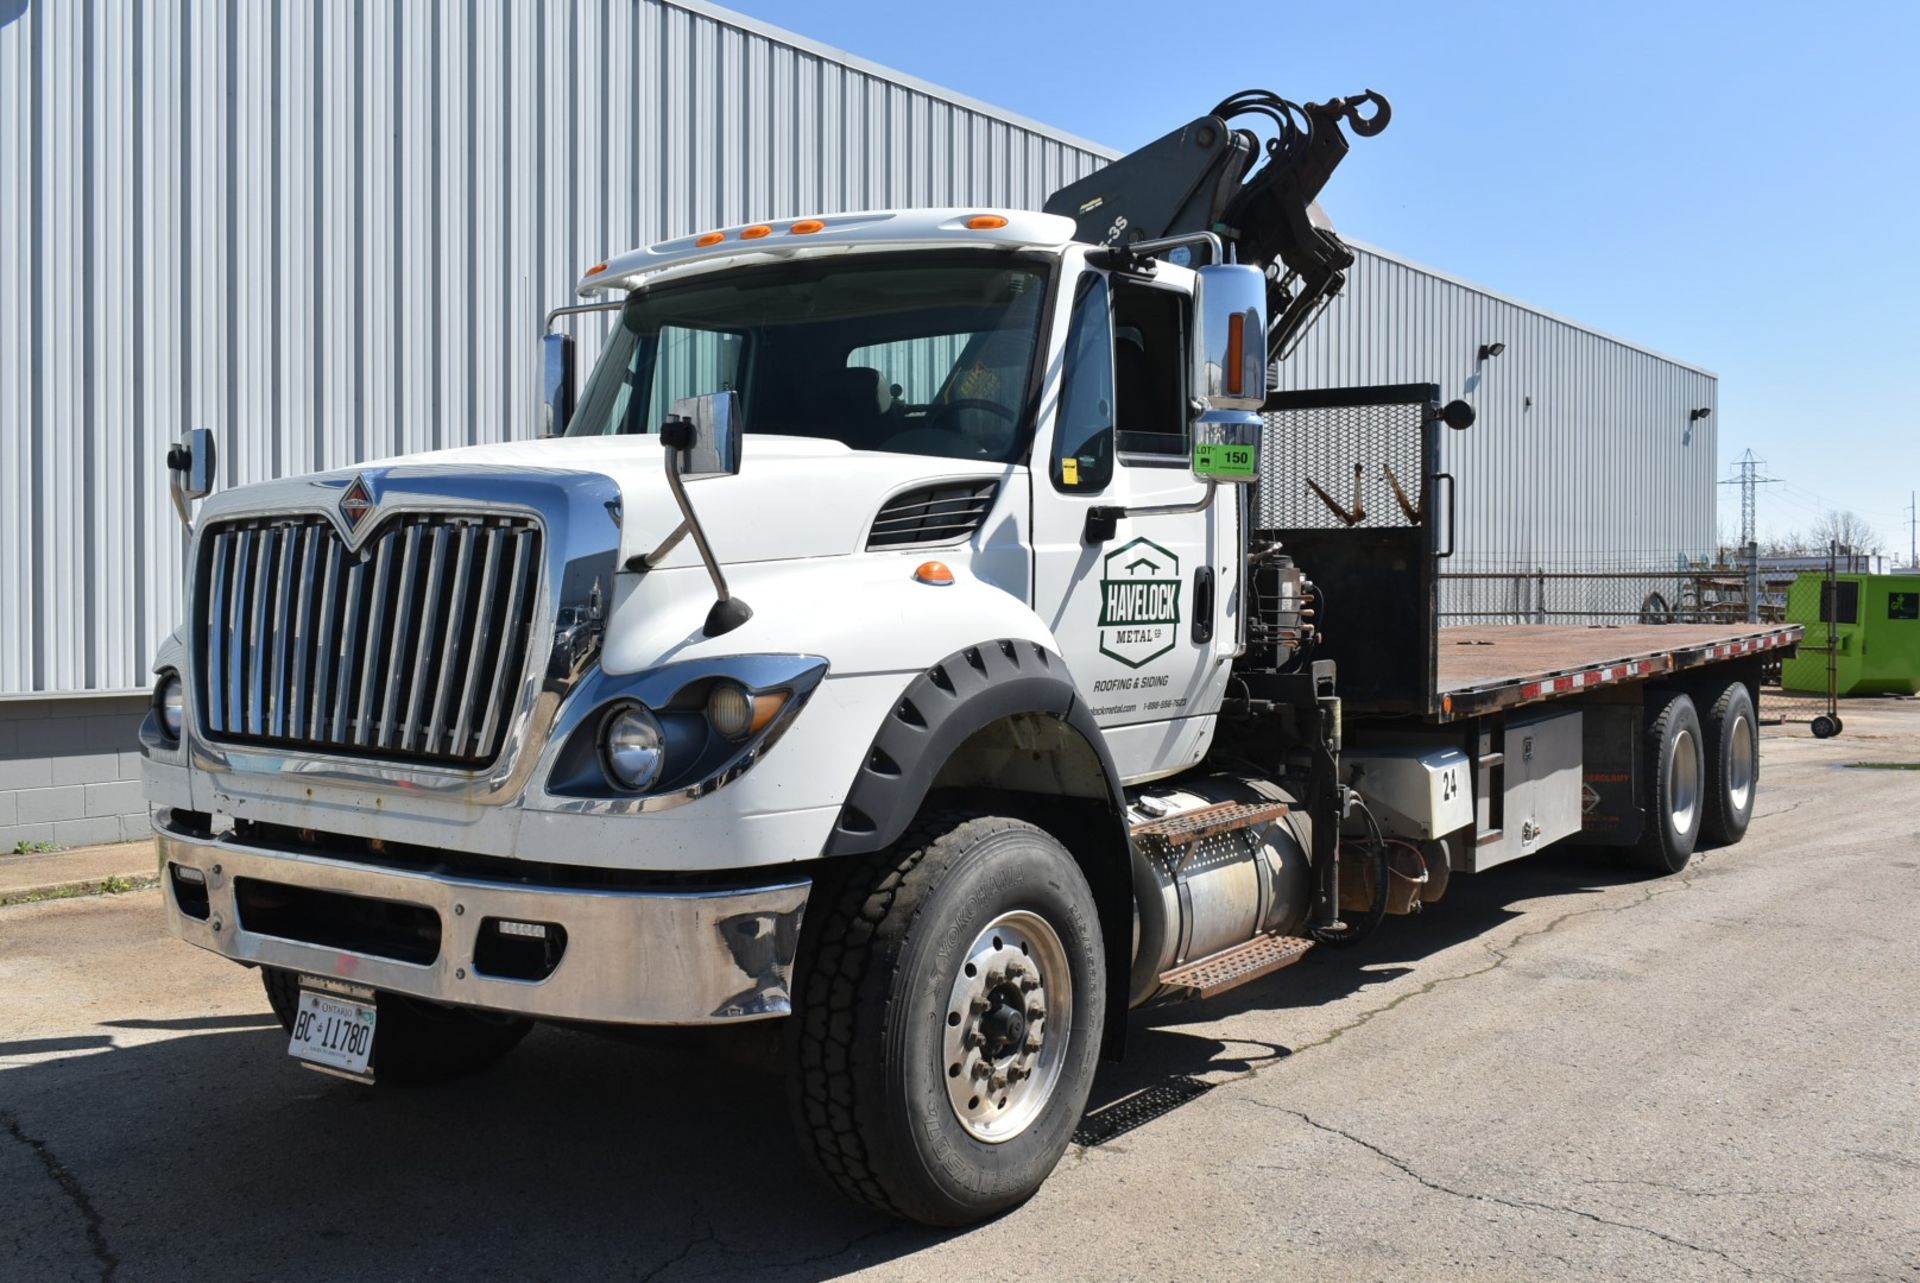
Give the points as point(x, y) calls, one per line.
point(1482, 667)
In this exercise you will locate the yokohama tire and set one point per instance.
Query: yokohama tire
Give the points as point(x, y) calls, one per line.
point(1733, 765)
point(878, 1089)
point(1675, 784)
point(415, 1043)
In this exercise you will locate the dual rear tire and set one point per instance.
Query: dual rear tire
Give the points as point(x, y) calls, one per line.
point(1702, 775)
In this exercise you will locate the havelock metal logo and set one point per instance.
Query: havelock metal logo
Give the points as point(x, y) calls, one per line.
point(1139, 603)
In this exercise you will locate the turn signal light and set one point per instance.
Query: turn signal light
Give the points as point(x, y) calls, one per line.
point(935, 573)
point(806, 227)
point(755, 232)
point(986, 222)
point(1236, 348)
point(709, 238)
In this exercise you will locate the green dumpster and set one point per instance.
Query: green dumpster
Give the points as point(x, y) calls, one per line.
point(1876, 621)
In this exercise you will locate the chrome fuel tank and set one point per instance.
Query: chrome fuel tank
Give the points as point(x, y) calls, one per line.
point(1222, 891)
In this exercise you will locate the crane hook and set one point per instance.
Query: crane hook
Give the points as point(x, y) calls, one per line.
point(1367, 126)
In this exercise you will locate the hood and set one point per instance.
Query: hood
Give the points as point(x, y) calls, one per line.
point(793, 497)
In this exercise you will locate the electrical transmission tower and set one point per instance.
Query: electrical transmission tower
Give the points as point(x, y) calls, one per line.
point(1749, 480)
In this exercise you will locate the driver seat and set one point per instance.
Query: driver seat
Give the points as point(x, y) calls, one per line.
point(852, 404)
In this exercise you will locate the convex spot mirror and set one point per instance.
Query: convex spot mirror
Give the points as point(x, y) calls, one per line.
point(708, 430)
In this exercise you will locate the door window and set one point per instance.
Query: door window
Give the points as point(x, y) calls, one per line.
point(1150, 371)
point(1083, 428)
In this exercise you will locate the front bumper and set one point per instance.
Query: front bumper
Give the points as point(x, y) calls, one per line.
point(667, 957)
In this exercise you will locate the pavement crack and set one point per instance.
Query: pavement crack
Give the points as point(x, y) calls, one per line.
point(1502, 953)
point(1691, 1192)
point(762, 1266)
point(60, 1174)
point(1521, 1204)
point(694, 1241)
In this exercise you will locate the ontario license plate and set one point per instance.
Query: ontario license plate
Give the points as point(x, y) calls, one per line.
point(333, 1031)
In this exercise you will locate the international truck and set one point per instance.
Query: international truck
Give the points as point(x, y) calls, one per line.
point(926, 629)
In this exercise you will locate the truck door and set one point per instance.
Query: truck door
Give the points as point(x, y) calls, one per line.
point(1146, 616)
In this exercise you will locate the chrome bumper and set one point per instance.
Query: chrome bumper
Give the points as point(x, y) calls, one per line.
point(631, 957)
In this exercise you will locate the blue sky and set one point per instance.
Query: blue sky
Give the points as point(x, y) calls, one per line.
point(1737, 185)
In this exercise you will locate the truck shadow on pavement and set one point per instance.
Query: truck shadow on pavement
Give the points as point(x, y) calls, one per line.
point(211, 1155)
point(1167, 1066)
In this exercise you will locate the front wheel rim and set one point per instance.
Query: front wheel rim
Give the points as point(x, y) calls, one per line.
point(1006, 1026)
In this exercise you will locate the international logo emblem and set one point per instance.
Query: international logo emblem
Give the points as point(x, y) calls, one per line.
point(356, 505)
point(1139, 603)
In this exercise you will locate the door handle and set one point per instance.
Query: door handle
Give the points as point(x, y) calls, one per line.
point(1203, 605)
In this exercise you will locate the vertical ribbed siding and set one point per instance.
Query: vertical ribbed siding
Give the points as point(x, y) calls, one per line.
point(328, 232)
point(1602, 470)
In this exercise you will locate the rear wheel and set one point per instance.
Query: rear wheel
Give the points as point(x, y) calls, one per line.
point(1733, 765)
point(1675, 784)
point(948, 1020)
point(415, 1043)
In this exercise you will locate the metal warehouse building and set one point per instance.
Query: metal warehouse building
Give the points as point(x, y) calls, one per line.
point(329, 232)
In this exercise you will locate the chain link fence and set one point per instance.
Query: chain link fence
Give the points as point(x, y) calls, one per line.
point(1727, 586)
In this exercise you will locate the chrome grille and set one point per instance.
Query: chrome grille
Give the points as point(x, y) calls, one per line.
point(932, 515)
point(411, 648)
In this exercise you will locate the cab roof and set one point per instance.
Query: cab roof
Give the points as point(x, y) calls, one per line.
point(867, 229)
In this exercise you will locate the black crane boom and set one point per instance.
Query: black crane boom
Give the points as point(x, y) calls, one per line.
point(1202, 177)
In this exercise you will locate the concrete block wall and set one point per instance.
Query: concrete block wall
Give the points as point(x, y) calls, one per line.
point(70, 771)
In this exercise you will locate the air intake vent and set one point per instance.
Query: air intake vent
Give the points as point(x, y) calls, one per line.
point(932, 515)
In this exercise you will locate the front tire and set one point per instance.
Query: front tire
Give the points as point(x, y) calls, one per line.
point(948, 1020)
point(1676, 784)
point(415, 1043)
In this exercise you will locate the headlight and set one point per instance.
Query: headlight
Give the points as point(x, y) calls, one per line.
point(169, 706)
point(632, 748)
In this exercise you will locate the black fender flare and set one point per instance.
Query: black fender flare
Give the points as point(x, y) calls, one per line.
point(942, 709)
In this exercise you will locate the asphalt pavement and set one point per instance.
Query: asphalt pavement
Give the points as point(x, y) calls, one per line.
point(1563, 1071)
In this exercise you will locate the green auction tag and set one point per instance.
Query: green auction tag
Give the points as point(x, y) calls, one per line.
point(1227, 462)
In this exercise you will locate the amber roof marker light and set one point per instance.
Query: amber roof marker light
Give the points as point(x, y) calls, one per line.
point(755, 232)
point(986, 222)
point(709, 238)
point(806, 227)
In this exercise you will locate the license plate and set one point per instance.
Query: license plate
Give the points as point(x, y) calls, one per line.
point(333, 1032)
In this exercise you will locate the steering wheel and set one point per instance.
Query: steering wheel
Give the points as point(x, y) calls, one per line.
point(988, 447)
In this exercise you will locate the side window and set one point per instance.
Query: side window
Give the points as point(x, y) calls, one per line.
point(1840, 602)
point(1083, 428)
point(1150, 367)
point(692, 363)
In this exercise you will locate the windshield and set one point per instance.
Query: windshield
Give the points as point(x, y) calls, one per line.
point(913, 354)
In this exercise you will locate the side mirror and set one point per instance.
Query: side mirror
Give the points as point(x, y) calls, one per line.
point(556, 378)
point(712, 435)
point(702, 439)
point(193, 465)
point(1230, 337)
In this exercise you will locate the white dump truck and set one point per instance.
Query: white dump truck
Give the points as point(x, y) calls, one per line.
point(923, 628)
